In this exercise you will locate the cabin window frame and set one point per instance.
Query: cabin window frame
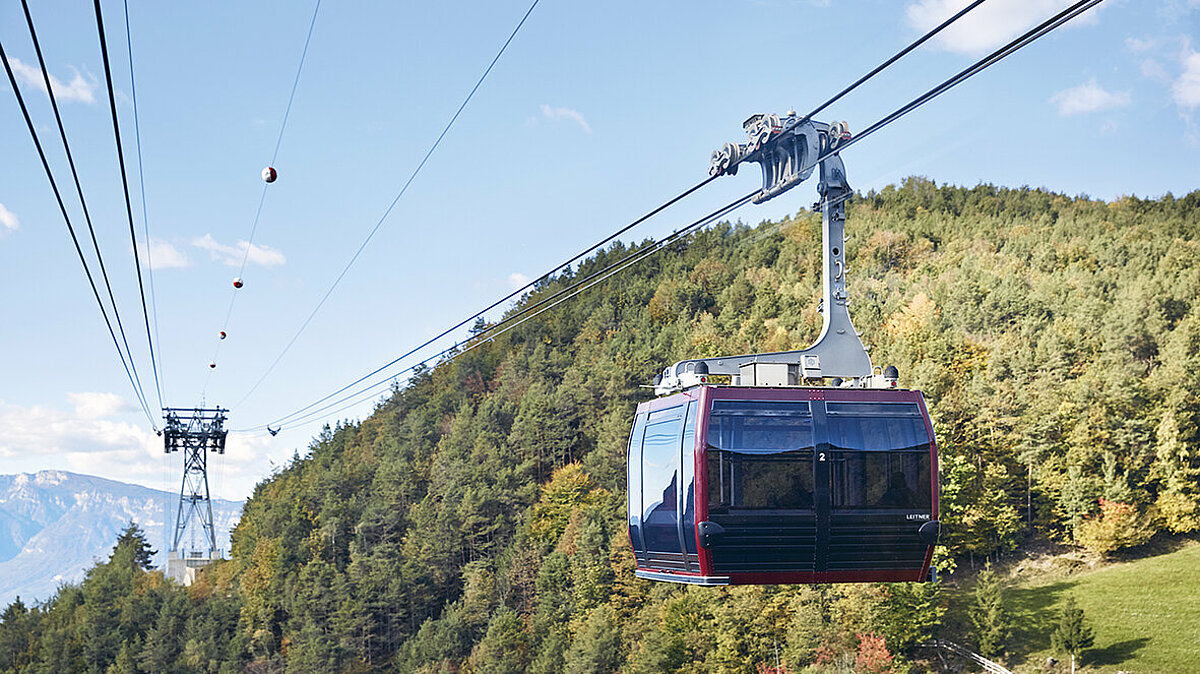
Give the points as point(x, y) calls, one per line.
point(633, 481)
point(726, 482)
point(885, 451)
point(670, 447)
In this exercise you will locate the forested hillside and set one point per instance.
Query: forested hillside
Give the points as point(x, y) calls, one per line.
point(474, 523)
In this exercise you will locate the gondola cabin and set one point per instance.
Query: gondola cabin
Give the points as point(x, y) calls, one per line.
point(770, 481)
point(751, 485)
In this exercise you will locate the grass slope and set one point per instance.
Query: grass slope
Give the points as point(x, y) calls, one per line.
point(1145, 613)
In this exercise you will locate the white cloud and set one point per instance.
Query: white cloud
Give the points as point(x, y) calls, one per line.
point(568, 114)
point(8, 220)
point(78, 89)
point(986, 27)
point(163, 255)
point(232, 256)
point(517, 280)
point(40, 430)
point(1186, 90)
point(94, 440)
point(1138, 45)
point(1154, 70)
point(98, 405)
point(1088, 97)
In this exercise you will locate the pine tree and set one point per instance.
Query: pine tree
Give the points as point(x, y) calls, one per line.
point(132, 546)
point(991, 621)
point(1072, 633)
point(597, 647)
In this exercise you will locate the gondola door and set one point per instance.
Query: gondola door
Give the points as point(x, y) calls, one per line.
point(874, 465)
point(687, 491)
point(761, 525)
point(661, 489)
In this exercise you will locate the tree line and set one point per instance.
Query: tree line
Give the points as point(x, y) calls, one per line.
point(475, 521)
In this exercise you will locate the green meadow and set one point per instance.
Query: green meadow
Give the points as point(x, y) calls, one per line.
point(1145, 613)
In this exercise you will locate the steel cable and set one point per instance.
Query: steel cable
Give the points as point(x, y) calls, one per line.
point(263, 195)
point(137, 133)
point(524, 314)
point(37, 48)
point(1018, 43)
point(534, 282)
point(137, 263)
point(75, 239)
point(390, 207)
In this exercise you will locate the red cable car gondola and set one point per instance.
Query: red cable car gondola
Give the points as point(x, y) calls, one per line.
point(737, 485)
point(777, 478)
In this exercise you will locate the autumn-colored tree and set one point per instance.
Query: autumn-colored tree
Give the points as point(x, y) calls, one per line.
point(475, 521)
point(873, 656)
point(1119, 525)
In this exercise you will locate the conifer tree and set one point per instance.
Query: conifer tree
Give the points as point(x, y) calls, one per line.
point(133, 546)
point(991, 620)
point(1072, 633)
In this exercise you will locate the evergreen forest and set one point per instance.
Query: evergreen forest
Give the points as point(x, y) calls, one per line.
point(475, 521)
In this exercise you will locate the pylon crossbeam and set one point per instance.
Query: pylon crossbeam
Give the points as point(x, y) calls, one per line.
point(194, 432)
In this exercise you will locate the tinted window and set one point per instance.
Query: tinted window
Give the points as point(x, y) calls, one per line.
point(688, 469)
point(635, 481)
point(876, 426)
point(660, 480)
point(880, 454)
point(760, 456)
point(899, 480)
point(759, 427)
point(782, 481)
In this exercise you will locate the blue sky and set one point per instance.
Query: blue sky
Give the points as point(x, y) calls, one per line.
point(596, 113)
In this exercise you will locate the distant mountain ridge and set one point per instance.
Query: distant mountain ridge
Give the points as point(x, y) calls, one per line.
point(54, 525)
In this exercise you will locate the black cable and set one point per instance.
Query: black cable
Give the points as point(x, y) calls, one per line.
point(137, 133)
point(1026, 38)
point(295, 83)
point(37, 48)
point(137, 263)
point(524, 314)
point(263, 196)
point(513, 294)
point(67, 218)
point(987, 61)
point(900, 54)
point(396, 200)
point(516, 293)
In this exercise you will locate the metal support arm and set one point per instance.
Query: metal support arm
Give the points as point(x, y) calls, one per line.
point(838, 351)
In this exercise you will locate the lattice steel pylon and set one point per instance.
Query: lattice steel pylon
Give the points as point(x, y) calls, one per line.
point(195, 432)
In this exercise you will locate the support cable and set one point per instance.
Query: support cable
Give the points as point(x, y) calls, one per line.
point(263, 196)
point(512, 321)
point(75, 239)
point(609, 238)
point(37, 48)
point(392, 205)
point(900, 54)
point(989, 60)
point(514, 294)
point(137, 263)
point(137, 133)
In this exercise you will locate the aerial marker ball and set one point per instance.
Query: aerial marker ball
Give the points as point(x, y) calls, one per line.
point(269, 175)
point(237, 282)
point(222, 334)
